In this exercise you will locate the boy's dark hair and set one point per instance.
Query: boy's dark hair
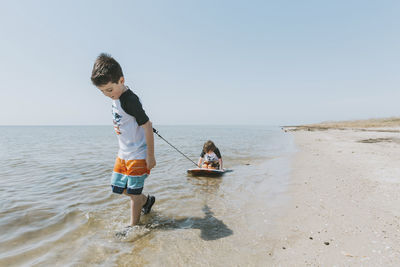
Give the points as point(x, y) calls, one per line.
point(209, 146)
point(106, 69)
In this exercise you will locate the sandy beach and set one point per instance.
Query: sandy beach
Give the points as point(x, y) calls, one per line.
point(344, 207)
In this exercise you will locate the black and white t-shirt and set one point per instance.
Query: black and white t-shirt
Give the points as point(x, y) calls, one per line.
point(128, 116)
point(213, 156)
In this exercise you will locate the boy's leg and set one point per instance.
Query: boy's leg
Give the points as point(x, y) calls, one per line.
point(137, 202)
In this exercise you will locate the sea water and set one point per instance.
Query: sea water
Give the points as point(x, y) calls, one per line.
point(57, 208)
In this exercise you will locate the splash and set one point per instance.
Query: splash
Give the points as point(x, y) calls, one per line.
point(132, 233)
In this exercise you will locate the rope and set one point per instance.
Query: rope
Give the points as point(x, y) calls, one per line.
point(156, 132)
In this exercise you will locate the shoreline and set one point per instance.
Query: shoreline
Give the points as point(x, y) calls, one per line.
point(344, 204)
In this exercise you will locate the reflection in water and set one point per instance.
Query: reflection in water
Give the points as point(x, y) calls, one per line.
point(205, 185)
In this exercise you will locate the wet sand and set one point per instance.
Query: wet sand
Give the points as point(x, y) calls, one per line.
point(344, 207)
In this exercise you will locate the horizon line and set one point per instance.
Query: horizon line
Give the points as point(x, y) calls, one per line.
point(49, 125)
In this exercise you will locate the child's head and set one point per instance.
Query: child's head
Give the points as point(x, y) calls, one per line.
point(107, 76)
point(208, 146)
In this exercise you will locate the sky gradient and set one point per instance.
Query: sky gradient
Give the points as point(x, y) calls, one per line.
point(202, 62)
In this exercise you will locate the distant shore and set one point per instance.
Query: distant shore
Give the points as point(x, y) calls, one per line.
point(344, 206)
point(377, 125)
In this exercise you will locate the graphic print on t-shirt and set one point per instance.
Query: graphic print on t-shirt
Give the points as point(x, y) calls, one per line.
point(210, 157)
point(214, 156)
point(116, 119)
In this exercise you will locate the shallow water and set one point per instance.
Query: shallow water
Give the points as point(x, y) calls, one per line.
point(57, 208)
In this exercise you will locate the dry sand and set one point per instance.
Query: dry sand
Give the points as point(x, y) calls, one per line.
point(344, 208)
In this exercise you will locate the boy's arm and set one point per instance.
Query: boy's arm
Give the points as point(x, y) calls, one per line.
point(148, 131)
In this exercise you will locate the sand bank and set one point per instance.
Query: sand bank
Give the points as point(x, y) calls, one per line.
point(344, 206)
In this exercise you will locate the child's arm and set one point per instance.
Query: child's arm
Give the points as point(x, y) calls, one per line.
point(220, 163)
point(148, 131)
point(199, 163)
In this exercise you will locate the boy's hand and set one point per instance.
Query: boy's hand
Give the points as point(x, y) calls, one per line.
point(150, 162)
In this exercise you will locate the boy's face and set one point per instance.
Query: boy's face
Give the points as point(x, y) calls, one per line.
point(113, 90)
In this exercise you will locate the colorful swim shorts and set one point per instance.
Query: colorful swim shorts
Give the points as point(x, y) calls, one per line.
point(129, 175)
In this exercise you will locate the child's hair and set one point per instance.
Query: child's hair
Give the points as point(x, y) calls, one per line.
point(209, 146)
point(106, 69)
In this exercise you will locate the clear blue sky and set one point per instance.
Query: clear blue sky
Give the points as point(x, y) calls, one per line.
point(202, 62)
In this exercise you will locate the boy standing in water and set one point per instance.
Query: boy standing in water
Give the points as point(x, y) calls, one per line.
point(135, 136)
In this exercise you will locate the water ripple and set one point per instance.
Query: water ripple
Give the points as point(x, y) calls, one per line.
point(57, 207)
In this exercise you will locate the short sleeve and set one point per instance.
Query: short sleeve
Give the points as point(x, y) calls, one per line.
point(216, 151)
point(130, 103)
